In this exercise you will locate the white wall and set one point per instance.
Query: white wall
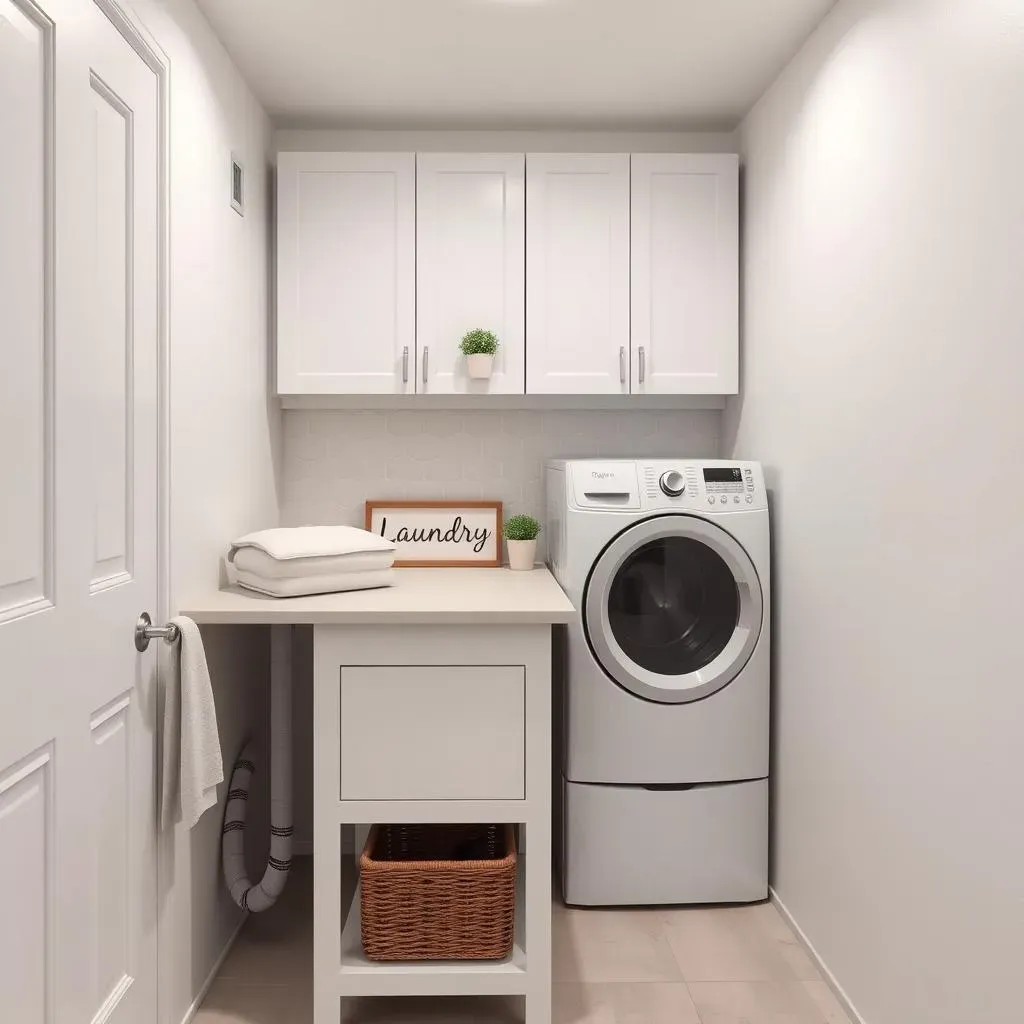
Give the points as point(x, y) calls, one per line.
point(883, 362)
point(224, 434)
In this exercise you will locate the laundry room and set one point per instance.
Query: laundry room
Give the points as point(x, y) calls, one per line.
point(557, 463)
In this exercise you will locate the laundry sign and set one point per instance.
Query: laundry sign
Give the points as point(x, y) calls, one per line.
point(439, 533)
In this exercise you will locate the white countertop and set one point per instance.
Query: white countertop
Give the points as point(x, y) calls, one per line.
point(419, 597)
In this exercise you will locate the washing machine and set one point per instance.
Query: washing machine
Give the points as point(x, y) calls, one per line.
point(665, 679)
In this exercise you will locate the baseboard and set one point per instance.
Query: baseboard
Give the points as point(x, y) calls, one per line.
point(830, 979)
point(214, 971)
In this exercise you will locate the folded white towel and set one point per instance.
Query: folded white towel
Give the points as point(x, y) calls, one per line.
point(192, 765)
point(301, 586)
point(286, 542)
point(257, 562)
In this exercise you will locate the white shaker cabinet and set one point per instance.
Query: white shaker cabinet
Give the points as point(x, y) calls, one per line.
point(684, 290)
point(577, 273)
point(346, 256)
point(470, 273)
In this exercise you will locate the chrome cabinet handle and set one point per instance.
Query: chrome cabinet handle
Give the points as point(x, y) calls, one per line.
point(622, 364)
point(146, 631)
point(643, 364)
point(405, 365)
point(426, 357)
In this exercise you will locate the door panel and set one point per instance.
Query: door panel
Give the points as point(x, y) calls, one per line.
point(111, 338)
point(470, 239)
point(78, 554)
point(346, 273)
point(577, 273)
point(26, 854)
point(26, 297)
point(685, 273)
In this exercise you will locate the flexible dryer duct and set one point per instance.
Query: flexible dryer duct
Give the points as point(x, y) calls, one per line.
point(264, 894)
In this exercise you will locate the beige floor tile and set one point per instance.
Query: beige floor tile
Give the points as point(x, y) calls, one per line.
point(824, 998)
point(800, 963)
point(233, 1002)
point(723, 945)
point(611, 945)
point(623, 1003)
point(754, 1002)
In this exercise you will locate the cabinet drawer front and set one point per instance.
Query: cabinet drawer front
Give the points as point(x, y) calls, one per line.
point(432, 732)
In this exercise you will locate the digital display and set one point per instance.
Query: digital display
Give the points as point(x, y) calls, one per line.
point(723, 476)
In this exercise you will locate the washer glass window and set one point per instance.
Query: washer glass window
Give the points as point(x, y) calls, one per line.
point(673, 606)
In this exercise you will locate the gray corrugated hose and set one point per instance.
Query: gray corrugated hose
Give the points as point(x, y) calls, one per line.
point(263, 895)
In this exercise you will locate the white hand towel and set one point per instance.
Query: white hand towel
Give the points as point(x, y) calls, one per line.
point(192, 765)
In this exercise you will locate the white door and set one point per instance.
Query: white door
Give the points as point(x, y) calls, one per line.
point(685, 274)
point(470, 272)
point(577, 273)
point(79, 251)
point(346, 256)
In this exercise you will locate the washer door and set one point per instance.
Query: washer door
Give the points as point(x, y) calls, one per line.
point(672, 608)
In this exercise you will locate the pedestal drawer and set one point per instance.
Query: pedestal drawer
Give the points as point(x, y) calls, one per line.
point(436, 732)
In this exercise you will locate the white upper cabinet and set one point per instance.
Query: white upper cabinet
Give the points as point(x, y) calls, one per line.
point(345, 273)
point(577, 273)
point(470, 273)
point(685, 277)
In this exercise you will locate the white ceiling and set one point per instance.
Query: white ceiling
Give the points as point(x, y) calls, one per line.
point(512, 63)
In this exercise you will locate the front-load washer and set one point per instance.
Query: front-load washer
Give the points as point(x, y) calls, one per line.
point(665, 679)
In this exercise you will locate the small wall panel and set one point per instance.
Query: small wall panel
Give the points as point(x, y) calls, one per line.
point(111, 734)
point(112, 342)
point(26, 864)
point(26, 304)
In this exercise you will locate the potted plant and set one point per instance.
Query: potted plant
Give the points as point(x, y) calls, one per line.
point(521, 538)
point(479, 347)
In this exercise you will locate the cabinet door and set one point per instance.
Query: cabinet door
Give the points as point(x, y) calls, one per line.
point(685, 277)
point(577, 273)
point(470, 238)
point(345, 277)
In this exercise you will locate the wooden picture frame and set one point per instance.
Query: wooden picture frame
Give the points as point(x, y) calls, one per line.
point(440, 526)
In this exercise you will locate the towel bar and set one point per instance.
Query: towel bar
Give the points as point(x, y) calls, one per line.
point(146, 631)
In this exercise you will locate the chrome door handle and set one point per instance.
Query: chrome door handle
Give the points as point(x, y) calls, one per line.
point(146, 631)
point(426, 357)
point(405, 365)
point(622, 364)
point(643, 364)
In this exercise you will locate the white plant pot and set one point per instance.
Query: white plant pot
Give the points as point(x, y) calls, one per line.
point(480, 366)
point(521, 553)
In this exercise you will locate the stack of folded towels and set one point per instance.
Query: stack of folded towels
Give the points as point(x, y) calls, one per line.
point(291, 561)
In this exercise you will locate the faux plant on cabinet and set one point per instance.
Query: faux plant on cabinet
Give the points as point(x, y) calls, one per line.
point(521, 539)
point(479, 346)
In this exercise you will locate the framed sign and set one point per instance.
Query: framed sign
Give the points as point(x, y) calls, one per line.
point(439, 533)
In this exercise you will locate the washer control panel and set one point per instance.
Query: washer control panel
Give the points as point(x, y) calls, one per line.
point(708, 485)
point(656, 485)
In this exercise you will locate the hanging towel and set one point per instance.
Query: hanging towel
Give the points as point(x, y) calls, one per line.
point(192, 765)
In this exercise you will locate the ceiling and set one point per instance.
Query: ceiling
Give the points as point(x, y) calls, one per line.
point(512, 63)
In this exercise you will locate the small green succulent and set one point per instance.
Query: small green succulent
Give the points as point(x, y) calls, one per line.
point(521, 527)
point(479, 343)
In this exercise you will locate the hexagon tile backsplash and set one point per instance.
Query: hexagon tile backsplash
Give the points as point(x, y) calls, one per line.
point(335, 460)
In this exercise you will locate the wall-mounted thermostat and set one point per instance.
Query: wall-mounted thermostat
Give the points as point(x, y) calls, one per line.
point(237, 185)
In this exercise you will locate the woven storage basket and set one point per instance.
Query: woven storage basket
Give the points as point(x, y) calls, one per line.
point(438, 892)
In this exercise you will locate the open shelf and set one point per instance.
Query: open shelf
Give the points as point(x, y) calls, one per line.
point(363, 977)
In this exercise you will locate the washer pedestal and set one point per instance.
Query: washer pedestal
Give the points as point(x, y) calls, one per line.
point(631, 845)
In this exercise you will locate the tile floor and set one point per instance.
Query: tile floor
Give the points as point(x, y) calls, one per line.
point(697, 966)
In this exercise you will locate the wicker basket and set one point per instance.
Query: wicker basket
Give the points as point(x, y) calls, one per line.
point(438, 892)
